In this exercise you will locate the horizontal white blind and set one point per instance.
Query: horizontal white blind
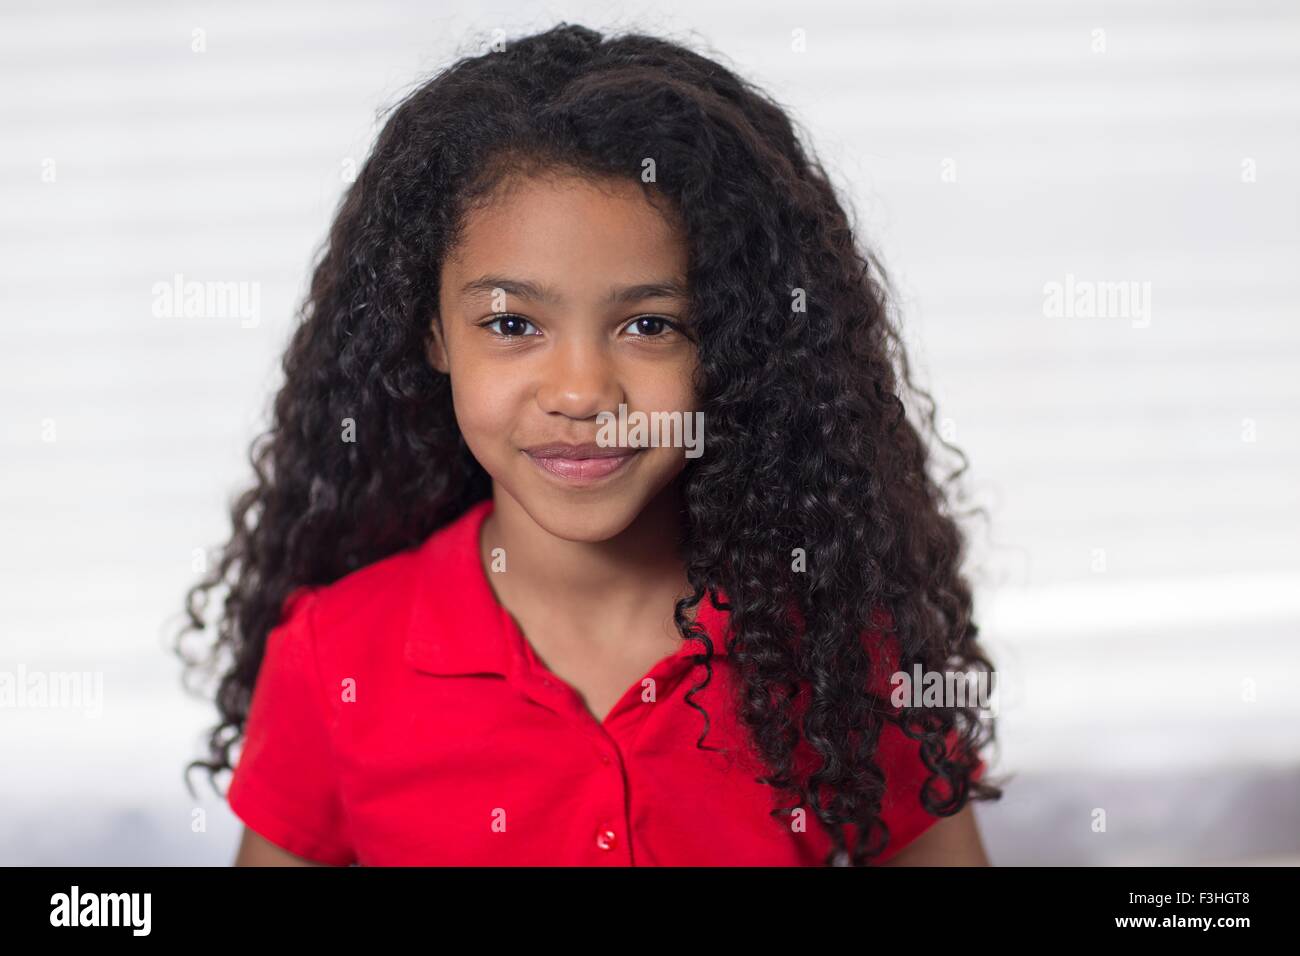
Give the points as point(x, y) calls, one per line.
point(1140, 469)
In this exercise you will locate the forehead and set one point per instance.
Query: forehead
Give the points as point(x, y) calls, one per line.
point(570, 228)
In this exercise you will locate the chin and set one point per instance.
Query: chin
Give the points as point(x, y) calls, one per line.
point(588, 518)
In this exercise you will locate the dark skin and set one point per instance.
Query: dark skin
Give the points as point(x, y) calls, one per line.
point(256, 850)
point(579, 347)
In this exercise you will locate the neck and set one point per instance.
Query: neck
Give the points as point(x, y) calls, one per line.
point(625, 577)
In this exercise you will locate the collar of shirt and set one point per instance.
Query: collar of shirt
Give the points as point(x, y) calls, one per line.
point(457, 625)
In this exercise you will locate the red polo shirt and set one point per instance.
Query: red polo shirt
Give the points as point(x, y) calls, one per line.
point(401, 718)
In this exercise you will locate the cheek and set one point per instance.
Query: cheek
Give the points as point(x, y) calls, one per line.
point(668, 389)
point(486, 405)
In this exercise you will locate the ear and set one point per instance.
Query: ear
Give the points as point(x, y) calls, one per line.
point(435, 349)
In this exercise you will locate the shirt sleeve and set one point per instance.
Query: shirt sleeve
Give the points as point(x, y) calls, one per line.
point(898, 755)
point(285, 785)
point(905, 775)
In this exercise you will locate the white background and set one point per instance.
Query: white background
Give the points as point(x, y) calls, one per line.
point(1139, 578)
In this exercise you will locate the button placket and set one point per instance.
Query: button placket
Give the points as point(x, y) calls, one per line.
point(610, 837)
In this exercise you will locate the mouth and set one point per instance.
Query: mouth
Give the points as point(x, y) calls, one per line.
point(580, 464)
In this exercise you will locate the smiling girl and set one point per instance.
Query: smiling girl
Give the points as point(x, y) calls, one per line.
point(463, 630)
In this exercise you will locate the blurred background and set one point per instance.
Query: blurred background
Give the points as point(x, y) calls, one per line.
point(1089, 214)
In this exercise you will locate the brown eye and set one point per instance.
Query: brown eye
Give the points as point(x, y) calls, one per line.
point(650, 326)
point(512, 326)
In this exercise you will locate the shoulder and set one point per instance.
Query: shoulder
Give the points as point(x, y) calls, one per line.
point(367, 613)
point(375, 592)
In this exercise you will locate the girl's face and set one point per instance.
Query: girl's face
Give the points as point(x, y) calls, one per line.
point(565, 299)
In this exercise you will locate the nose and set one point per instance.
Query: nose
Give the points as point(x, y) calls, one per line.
point(579, 380)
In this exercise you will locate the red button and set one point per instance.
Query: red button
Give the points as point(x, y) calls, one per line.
point(605, 839)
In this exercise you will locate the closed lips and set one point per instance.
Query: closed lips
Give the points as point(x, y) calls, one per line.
point(581, 464)
point(579, 452)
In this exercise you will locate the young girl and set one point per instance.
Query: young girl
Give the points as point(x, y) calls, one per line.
point(470, 621)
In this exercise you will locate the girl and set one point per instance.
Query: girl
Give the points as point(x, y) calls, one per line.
point(465, 626)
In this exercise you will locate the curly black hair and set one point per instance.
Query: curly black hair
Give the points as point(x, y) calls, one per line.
point(812, 444)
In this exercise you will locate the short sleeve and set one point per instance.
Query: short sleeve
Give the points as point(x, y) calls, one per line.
point(905, 774)
point(898, 755)
point(285, 786)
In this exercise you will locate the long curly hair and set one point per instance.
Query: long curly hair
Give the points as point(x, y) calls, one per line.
point(816, 429)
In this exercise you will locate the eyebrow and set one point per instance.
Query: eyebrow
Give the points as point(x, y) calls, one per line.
point(538, 292)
